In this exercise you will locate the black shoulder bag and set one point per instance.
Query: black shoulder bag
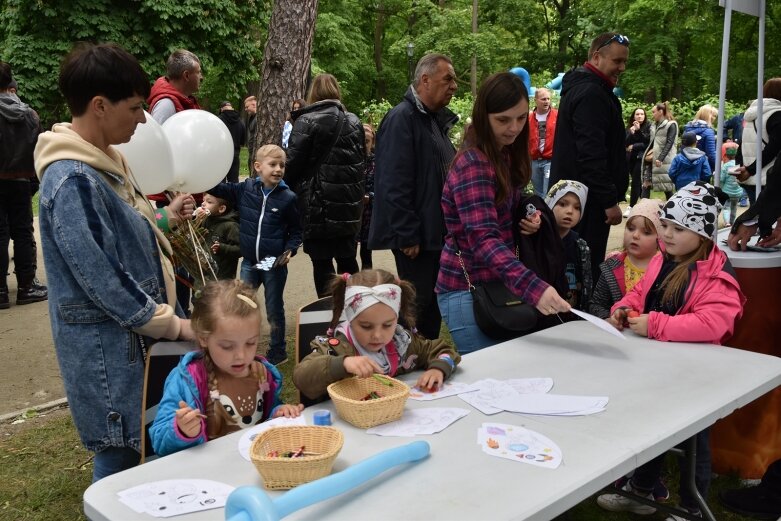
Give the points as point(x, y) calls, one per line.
point(498, 313)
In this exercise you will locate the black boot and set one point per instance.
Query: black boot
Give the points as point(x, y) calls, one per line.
point(30, 294)
point(4, 304)
point(756, 502)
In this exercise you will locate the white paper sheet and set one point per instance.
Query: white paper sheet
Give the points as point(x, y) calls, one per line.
point(447, 389)
point(250, 434)
point(601, 323)
point(421, 421)
point(519, 444)
point(490, 390)
point(174, 497)
point(556, 404)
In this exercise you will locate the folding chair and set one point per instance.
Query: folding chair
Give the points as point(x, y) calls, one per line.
point(313, 319)
point(161, 359)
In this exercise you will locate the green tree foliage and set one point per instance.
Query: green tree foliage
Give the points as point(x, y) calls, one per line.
point(226, 35)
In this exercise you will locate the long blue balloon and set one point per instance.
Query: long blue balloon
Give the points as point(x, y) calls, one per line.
point(253, 504)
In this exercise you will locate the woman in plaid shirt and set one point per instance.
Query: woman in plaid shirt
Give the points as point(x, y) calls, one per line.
point(485, 183)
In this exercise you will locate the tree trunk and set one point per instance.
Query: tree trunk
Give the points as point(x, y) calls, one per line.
point(286, 60)
point(379, 31)
point(473, 72)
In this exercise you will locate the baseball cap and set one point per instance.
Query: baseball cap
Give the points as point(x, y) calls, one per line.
point(689, 139)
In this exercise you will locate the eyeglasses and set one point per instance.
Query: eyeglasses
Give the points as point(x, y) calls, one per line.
point(620, 39)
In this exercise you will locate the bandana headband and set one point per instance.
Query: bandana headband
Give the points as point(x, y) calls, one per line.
point(358, 298)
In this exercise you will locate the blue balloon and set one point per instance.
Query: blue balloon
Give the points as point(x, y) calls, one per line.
point(555, 83)
point(252, 503)
point(524, 75)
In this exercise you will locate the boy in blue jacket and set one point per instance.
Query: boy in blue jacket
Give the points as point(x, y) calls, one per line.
point(691, 163)
point(269, 235)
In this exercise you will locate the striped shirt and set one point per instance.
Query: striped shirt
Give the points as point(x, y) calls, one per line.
point(483, 230)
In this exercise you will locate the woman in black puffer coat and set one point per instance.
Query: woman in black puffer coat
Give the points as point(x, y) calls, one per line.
point(325, 165)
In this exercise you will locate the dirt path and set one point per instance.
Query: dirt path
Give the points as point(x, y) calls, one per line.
point(29, 375)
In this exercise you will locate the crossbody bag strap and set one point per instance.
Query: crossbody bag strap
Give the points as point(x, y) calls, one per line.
point(338, 131)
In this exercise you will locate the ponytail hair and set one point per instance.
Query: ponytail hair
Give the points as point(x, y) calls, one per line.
point(371, 278)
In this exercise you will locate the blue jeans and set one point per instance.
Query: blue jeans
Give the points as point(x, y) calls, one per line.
point(273, 282)
point(540, 176)
point(112, 460)
point(456, 309)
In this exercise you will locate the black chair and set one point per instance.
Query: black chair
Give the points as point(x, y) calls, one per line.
point(162, 358)
point(313, 320)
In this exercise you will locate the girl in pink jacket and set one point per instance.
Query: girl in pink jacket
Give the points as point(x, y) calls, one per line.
point(688, 294)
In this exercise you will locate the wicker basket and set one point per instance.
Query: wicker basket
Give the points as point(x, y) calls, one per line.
point(346, 395)
point(284, 473)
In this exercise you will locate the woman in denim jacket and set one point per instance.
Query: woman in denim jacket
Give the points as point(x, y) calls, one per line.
point(111, 285)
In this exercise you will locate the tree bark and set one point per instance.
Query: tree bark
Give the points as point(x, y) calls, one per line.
point(379, 32)
point(473, 71)
point(286, 60)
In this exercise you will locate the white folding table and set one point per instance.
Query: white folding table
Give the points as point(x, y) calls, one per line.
point(660, 393)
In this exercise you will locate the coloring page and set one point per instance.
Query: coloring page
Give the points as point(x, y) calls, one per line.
point(602, 324)
point(174, 497)
point(419, 422)
point(447, 389)
point(489, 390)
point(249, 436)
point(531, 385)
point(551, 404)
point(519, 444)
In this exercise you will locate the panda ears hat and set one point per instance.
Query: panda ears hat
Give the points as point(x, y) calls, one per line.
point(695, 207)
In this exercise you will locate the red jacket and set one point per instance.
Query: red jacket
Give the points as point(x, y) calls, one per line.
point(162, 88)
point(534, 137)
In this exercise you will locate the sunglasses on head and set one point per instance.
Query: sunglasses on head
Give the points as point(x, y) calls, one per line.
point(620, 39)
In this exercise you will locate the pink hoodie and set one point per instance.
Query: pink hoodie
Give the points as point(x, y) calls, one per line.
point(713, 303)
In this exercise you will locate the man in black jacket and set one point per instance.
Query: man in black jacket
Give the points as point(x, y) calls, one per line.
point(589, 140)
point(19, 129)
point(411, 160)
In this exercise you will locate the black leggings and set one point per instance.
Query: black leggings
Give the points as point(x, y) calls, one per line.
point(323, 271)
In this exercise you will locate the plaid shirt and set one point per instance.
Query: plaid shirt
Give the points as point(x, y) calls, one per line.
point(483, 230)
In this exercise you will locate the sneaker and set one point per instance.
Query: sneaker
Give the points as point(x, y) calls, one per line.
point(743, 202)
point(30, 294)
point(619, 503)
point(626, 212)
point(4, 303)
point(660, 491)
point(37, 285)
point(673, 517)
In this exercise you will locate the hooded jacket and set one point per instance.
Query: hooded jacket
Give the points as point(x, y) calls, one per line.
point(707, 141)
point(110, 283)
point(688, 166)
point(19, 129)
point(712, 302)
point(771, 138)
point(327, 179)
point(188, 383)
point(590, 138)
point(225, 230)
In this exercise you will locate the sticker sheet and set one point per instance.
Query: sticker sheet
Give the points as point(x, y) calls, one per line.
point(420, 422)
point(519, 444)
point(447, 389)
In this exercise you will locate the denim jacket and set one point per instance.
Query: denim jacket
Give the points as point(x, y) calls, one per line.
point(105, 279)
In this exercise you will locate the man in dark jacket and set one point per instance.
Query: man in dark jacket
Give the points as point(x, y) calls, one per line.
point(251, 108)
point(411, 160)
point(19, 129)
point(590, 139)
point(239, 134)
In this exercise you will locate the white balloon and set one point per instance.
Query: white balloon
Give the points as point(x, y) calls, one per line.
point(202, 150)
point(149, 156)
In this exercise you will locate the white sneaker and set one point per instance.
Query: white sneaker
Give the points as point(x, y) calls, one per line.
point(626, 212)
point(619, 503)
point(673, 517)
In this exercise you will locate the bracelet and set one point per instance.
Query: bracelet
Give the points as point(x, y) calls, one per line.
point(161, 217)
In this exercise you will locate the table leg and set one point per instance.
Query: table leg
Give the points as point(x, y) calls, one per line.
point(690, 454)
